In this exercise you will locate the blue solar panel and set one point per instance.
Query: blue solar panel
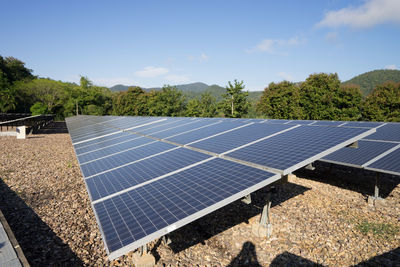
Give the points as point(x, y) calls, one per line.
point(277, 121)
point(94, 132)
point(181, 129)
point(107, 151)
point(205, 132)
point(104, 142)
point(367, 124)
point(328, 123)
point(239, 137)
point(122, 178)
point(173, 201)
point(160, 126)
point(127, 122)
point(389, 163)
point(388, 132)
point(366, 151)
point(285, 151)
point(108, 163)
point(302, 122)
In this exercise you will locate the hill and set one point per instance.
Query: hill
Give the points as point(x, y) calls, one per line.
point(367, 81)
point(119, 87)
point(192, 87)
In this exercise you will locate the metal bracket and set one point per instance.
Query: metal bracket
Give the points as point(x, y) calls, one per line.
point(265, 220)
point(166, 240)
point(372, 199)
point(310, 167)
point(143, 250)
point(247, 199)
point(353, 145)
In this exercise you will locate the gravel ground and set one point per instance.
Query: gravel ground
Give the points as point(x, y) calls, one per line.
point(319, 217)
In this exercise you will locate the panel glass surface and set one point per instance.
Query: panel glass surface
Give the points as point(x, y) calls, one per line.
point(182, 129)
point(277, 121)
point(366, 151)
point(187, 138)
point(127, 122)
point(389, 163)
point(131, 216)
point(114, 161)
point(109, 151)
point(292, 147)
point(169, 126)
point(103, 142)
point(239, 137)
point(367, 124)
point(328, 123)
point(388, 132)
point(94, 132)
point(132, 175)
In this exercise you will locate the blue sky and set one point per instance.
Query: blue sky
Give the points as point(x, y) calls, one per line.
point(152, 43)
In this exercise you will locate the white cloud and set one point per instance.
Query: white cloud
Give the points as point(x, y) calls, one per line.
point(202, 58)
point(286, 76)
point(177, 79)
point(151, 72)
point(371, 13)
point(272, 45)
point(391, 67)
point(331, 37)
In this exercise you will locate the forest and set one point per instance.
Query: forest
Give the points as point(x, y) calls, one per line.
point(322, 96)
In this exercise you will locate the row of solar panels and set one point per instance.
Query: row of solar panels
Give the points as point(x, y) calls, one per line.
point(147, 176)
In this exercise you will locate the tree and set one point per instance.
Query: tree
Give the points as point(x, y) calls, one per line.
point(132, 102)
point(383, 104)
point(167, 102)
point(38, 109)
point(348, 103)
point(7, 94)
point(235, 103)
point(193, 108)
point(281, 101)
point(207, 105)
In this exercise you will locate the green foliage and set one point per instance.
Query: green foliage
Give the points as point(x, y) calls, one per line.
point(132, 102)
point(167, 102)
point(369, 80)
point(383, 104)
point(7, 94)
point(281, 101)
point(385, 230)
point(235, 103)
point(206, 106)
point(193, 108)
point(38, 109)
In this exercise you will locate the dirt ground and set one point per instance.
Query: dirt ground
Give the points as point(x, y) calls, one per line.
point(319, 217)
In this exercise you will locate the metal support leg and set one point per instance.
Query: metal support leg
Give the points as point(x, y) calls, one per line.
point(166, 240)
point(373, 199)
point(265, 220)
point(247, 199)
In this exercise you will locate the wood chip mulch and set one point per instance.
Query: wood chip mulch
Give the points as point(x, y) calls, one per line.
point(319, 217)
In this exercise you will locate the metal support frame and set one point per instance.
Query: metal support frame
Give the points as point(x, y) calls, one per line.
point(166, 240)
point(353, 145)
point(265, 220)
point(372, 199)
point(247, 199)
point(310, 167)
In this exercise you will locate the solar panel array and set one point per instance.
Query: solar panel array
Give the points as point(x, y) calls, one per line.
point(147, 176)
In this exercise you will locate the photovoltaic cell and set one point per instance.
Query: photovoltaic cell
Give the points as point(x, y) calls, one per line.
point(108, 163)
point(161, 128)
point(367, 124)
point(239, 137)
point(204, 132)
point(132, 175)
point(83, 158)
point(104, 142)
point(388, 132)
point(286, 150)
point(389, 163)
point(181, 129)
point(93, 132)
point(328, 123)
point(366, 151)
point(175, 200)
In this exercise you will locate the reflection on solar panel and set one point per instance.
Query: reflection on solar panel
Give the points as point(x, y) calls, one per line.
point(389, 163)
point(147, 176)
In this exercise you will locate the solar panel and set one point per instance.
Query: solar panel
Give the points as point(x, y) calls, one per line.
point(367, 124)
point(298, 147)
point(233, 139)
point(142, 188)
point(388, 132)
point(388, 164)
point(356, 157)
point(117, 160)
point(111, 150)
point(138, 216)
point(199, 134)
point(328, 123)
point(142, 171)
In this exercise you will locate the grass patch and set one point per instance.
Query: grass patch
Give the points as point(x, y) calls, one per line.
point(377, 229)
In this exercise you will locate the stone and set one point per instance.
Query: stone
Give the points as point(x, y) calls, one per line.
point(145, 260)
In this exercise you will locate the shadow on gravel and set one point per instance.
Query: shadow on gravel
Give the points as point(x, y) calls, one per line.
point(233, 214)
point(41, 246)
point(391, 258)
point(354, 179)
point(289, 259)
point(56, 127)
point(246, 257)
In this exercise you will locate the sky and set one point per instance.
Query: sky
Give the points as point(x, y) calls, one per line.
point(153, 43)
